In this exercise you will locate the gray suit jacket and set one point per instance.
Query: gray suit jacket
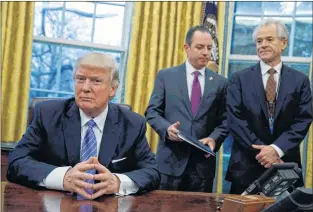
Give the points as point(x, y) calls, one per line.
point(170, 103)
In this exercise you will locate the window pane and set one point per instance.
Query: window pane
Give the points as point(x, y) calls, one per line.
point(109, 24)
point(304, 8)
point(235, 66)
point(48, 19)
point(248, 8)
point(66, 96)
point(45, 58)
point(275, 8)
point(288, 23)
point(78, 21)
point(304, 68)
point(303, 37)
point(68, 62)
point(242, 42)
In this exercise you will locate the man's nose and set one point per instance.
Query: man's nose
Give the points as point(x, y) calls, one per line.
point(87, 86)
point(205, 51)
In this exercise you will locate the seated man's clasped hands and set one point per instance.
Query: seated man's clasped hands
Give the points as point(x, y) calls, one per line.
point(77, 180)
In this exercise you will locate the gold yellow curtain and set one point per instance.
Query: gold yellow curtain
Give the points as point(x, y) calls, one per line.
point(16, 52)
point(309, 159)
point(220, 29)
point(158, 34)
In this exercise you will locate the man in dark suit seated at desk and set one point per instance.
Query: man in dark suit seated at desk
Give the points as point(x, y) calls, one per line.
point(77, 144)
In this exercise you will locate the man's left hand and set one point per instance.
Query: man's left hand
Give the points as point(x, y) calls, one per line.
point(210, 142)
point(109, 183)
point(267, 155)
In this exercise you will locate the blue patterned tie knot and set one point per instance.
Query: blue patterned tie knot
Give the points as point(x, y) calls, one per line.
point(91, 123)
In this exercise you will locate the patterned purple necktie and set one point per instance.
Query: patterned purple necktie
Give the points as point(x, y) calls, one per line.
point(195, 93)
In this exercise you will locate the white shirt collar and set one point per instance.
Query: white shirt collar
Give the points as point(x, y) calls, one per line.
point(190, 69)
point(265, 67)
point(99, 120)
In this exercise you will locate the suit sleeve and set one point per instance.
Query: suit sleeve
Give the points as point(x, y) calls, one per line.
point(237, 124)
point(146, 176)
point(23, 165)
point(156, 107)
point(221, 131)
point(293, 136)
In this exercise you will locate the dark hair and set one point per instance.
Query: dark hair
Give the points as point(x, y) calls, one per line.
point(192, 30)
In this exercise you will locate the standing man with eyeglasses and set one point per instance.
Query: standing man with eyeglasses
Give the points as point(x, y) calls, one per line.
point(192, 99)
point(269, 110)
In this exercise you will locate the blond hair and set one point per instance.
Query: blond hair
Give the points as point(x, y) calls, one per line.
point(101, 61)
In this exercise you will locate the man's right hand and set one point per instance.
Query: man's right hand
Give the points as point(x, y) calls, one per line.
point(74, 178)
point(172, 132)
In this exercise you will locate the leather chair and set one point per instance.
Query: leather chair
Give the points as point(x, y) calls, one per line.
point(36, 100)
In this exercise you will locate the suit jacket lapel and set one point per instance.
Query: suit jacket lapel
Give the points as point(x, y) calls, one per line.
point(72, 134)
point(209, 87)
point(285, 80)
point(182, 80)
point(259, 87)
point(110, 137)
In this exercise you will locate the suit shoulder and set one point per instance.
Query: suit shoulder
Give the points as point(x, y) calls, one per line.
point(298, 74)
point(127, 115)
point(170, 70)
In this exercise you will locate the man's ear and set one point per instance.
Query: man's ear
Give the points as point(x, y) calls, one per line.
point(186, 47)
point(284, 44)
point(113, 90)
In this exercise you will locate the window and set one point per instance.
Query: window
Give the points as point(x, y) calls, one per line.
point(297, 17)
point(242, 51)
point(64, 31)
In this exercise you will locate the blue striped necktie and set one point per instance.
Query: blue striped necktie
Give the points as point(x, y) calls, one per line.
point(89, 149)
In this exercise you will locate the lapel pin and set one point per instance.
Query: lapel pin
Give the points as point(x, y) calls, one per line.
point(211, 78)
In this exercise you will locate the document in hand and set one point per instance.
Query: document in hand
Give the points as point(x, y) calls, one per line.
point(196, 143)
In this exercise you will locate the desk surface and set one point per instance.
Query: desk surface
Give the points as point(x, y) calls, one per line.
point(19, 198)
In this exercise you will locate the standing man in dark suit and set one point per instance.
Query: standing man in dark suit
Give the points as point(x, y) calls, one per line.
point(77, 144)
point(190, 98)
point(269, 109)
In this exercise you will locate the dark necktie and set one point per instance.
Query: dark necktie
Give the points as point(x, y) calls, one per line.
point(271, 92)
point(195, 93)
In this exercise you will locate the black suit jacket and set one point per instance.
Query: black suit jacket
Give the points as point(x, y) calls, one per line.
point(248, 119)
point(53, 140)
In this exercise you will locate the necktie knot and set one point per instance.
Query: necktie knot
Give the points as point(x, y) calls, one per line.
point(196, 74)
point(91, 123)
point(271, 71)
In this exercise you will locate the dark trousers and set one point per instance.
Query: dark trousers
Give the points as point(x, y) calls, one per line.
point(188, 181)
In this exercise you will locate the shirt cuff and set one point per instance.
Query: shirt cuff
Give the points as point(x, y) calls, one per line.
point(54, 180)
point(127, 186)
point(278, 150)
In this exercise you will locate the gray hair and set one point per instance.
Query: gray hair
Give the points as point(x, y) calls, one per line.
point(192, 31)
point(282, 31)
point(101, 61)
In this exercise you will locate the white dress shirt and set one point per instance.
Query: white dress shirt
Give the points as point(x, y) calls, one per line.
point(55, 178)
point(265, 75)
point(189, 74)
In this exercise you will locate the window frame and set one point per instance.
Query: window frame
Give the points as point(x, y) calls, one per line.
point(122, 50)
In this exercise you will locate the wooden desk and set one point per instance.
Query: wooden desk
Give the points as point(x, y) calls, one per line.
point(19, 198)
